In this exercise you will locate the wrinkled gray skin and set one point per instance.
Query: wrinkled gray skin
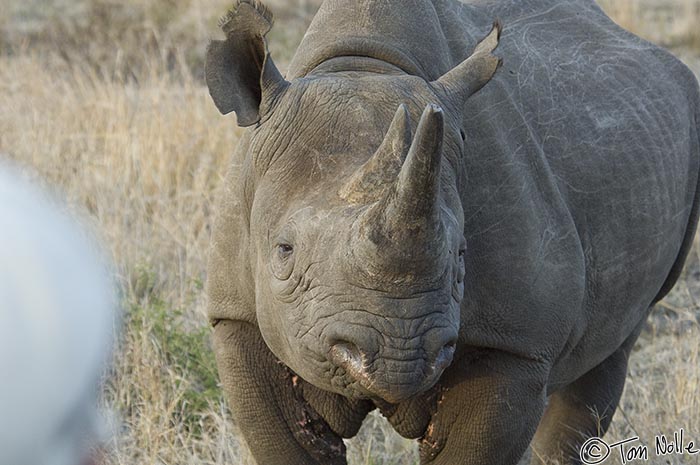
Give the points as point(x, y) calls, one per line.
point(477, 265)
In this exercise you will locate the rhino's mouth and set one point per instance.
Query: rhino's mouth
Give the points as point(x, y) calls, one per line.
point(366, 354)
point(391, 379)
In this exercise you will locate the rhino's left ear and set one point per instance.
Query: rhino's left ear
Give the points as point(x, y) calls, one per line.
point(240, 73)
point(473, 73)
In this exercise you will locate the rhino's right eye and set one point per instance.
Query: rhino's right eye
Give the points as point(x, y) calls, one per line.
point(284, 250)
point(282, 261)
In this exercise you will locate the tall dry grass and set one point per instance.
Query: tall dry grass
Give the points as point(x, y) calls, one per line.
point(145, 162)
point(668, 23)
point(104, 99)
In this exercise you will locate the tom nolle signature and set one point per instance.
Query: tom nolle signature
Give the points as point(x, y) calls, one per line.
point(596, 450)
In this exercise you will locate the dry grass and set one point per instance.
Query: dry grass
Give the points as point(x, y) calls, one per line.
point(145, 162)
point(669, 23)
point(104, 99)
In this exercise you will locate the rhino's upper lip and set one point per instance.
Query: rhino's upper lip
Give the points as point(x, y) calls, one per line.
point(368, 387)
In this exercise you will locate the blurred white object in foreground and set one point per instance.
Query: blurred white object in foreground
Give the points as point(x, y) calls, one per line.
point(56, 326)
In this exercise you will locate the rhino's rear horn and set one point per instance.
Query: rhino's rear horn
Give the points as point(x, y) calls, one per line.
point(381, 170)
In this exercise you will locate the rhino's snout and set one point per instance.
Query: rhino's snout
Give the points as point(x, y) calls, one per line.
point(388, 372)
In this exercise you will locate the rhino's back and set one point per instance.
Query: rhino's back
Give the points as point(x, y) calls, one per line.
point(586, 130)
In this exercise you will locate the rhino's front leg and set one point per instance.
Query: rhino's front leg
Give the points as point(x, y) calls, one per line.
point(273, 407)
point(487, 414)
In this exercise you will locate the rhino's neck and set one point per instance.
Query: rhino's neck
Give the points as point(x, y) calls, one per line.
point(406, 34)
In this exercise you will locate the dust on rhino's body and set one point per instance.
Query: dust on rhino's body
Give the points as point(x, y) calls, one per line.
point(493, 253)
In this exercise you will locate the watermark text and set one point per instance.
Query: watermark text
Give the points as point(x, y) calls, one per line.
point(596, 451)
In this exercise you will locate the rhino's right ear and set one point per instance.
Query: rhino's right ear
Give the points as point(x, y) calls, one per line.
point(240, 73)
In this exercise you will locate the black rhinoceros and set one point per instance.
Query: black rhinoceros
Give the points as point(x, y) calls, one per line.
point(476, 264)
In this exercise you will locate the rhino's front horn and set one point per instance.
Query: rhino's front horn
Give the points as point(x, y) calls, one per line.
point(402, 227)
point(413, 204)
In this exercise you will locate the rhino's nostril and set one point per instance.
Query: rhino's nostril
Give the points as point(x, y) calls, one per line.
point(347, 355)
point(444, 357)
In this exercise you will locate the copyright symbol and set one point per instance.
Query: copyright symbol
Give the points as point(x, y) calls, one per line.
point(594, 451)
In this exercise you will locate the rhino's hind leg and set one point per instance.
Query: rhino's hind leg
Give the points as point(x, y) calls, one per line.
point(269, 403)
point(581, 410)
